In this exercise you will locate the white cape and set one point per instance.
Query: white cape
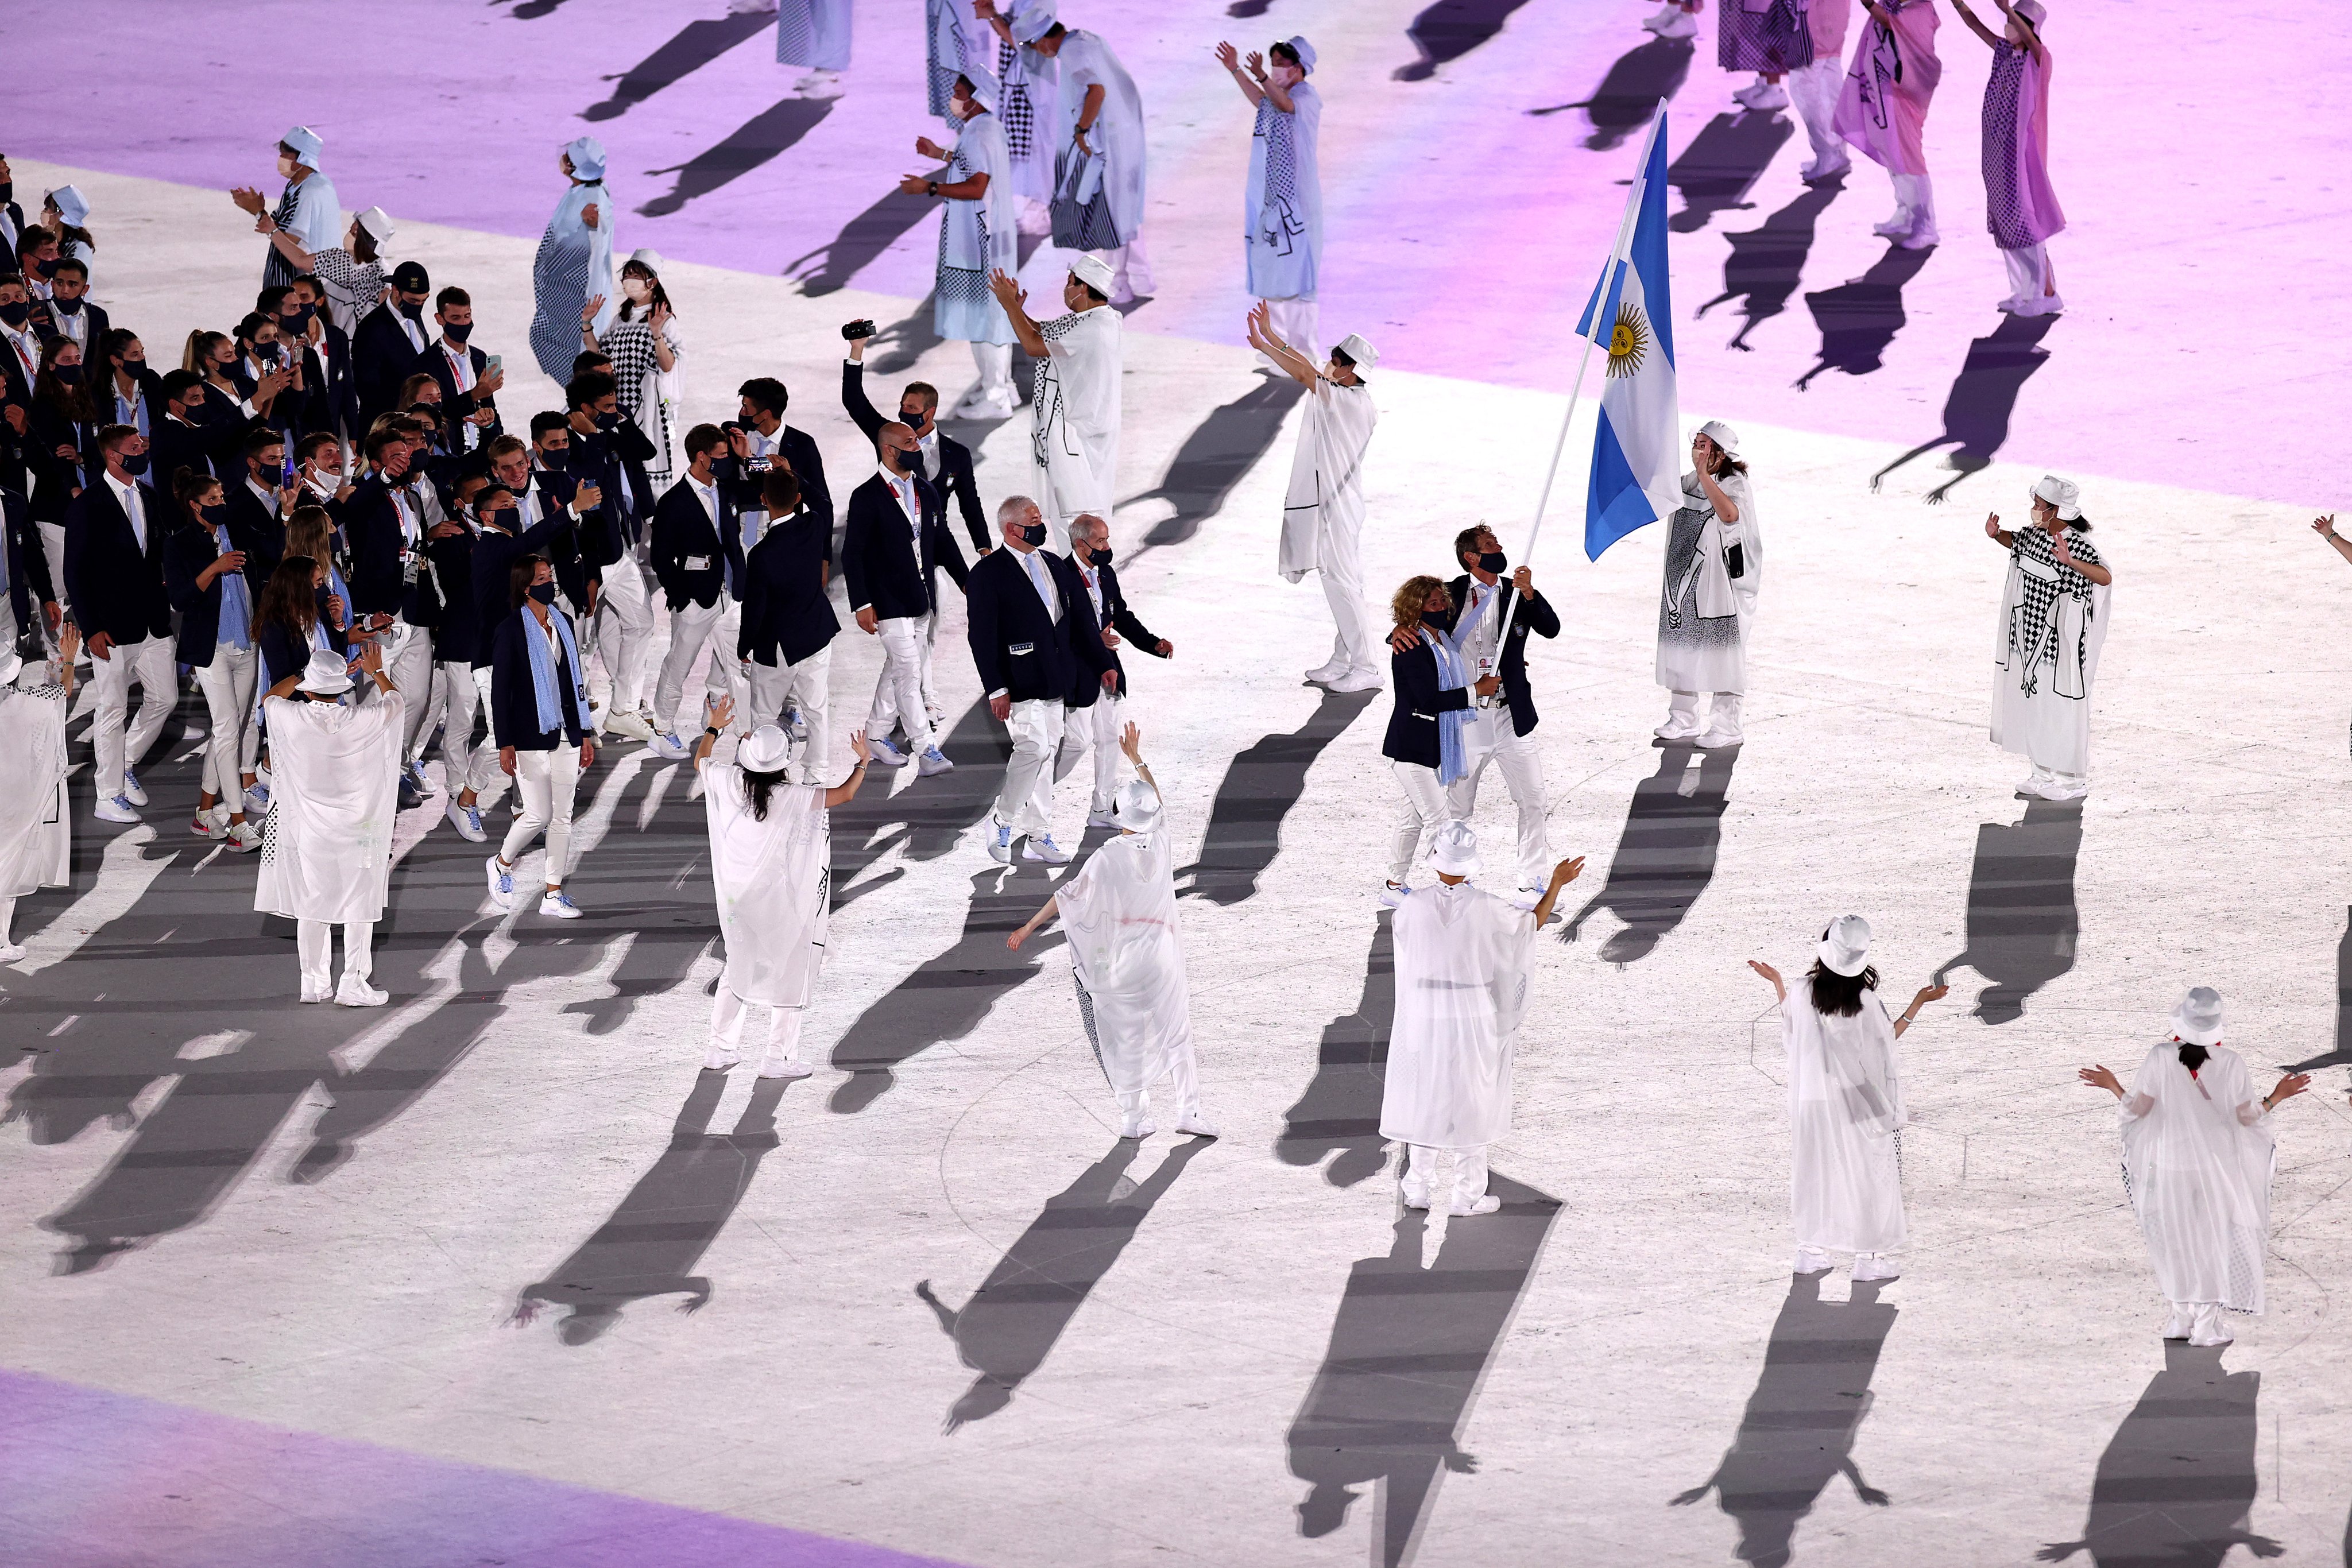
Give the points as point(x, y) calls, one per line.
point(774, 879)
point(35, 831)
point(1327, 478)
point(326, 845)
point(1461, 990)
point(1845, 1102)
point(1119, 914)
point(1085, 61)
point(1076, 405)
point(2198, 1158)
point(1711, 658)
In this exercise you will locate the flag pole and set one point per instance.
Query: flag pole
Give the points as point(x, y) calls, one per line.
point(1617, 253)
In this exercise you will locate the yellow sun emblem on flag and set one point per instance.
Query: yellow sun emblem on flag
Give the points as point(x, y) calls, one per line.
point(1629, 341)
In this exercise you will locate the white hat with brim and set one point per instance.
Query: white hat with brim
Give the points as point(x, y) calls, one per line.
point(1362, 355)
point(1136, 808)
point(2064, 496)
point(1723, 435)
point(1454, 849)
point(2197, 1020)
point(648, 259)
point(1845, 945)
point(306, 145)
point(587, 155)
point(1033, 24)
point(1298, 46)
point(378, 224)
point(326, 673)
point(1094, 271)
point(11, 667)
point(765, 750)
point(71, 204)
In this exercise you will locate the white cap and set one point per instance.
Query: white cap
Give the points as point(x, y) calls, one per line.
point(2031, 11)
point(765, 750)
point(326, 673)
point(1722, 434)
point(2065, 496)
point(71, 204)
point(1136, 808)
point(1094, 271)
point(1364, 355)
point(11, 665)
point(1303, 49)
point(378, 224)
point(2197, 1020)
point(1845, 945)
point(305, 144)
point(648, 259)
point(1033, 24)
point(1454, 849)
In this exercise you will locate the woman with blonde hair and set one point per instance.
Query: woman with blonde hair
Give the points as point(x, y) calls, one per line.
point(1432, 703)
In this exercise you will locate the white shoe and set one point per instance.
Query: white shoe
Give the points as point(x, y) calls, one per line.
point(1331, 671)
point(132, 791)
point(1192, 1125)
point(1670, 730)
point(1392, 894)
point(468, 820)
point(1876, 1266)
point(206, 824)
point(1683, 26)
point(2182, 1323)
point(784, 1067)
point(1921, 238)
point(632, 725)
point(999, 845)
point(1042, 847)
point(501, 880)
point(720, 1059)
point(1486, 1205)
point(2066, 787)
point(243, 838)
point(669, 747)
point(1812, 1260)
point(12, 951)
point(2208, 1331)
point(820, 84)
point(257, 799)
point(118, 810)
point(932, 763)
point(1101, 820)
point(1413, 1193)
point(558, 905)
point(884, 753)
point(1895, 227)
point(1362, 678)
point(355, 992)
point(312, 993)
point(1815, 173)
point(2038, 305)
point(1715, 738)
point(1137, 1126)
point(1764, 97)
point(1035, 217)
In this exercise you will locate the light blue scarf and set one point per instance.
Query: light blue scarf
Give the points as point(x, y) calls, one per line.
point(1450, 677)
point(543, 668)
point(236, 602)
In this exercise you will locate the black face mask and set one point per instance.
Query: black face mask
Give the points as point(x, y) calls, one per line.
point(67, 375)
point(456, 332)
point(608, 422)
point(544, 591)
point(302, 313)
point(45, 268)
point(554, 459)
point(1493, 560)
point(135, 467)
point(71, 306)
point(1032, 533)
point(291, 325)
point(413, 310)
point(1433, 617)
point(1100, 555)
point(214, 515)
point(15, 313)
point(133, 368)
point(913, 422)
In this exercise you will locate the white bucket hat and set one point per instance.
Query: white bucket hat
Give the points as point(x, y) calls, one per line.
point(2065, 496)
point(1362, 352)
point(1723, 435)
point(377, 223)
point(765, 750)
point(1136, 808)
point(1094, 271)
point(2197, 1020)
point(71, 204)
point(648, 259)
point(1454, 849)
point(1845, 945)
point(326, 673)
point(11, 667)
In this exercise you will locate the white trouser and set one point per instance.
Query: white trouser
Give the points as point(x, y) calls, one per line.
point(1424, 809)
point(1814, 89)
point(2029, 274)
point(546, 781)
point(727, 1013)
point(7, 918)
point(994, 362)
point(899, 695)
point(232, 740)
point(689, 628)
point(1294, 321)
point(1681, 712)
point(1341, 565)
point(1915, 199)
point(458, 696)
point(53, 548)
point(1131, 264)
point(1469, 1175)
point(805, 685)
point(1183, 1087)
point(1025, 803)
point(624, 617)
point(1488, 737)
point(1093, 728)
point(150, 663)
point(408, 662)
point(314, 943)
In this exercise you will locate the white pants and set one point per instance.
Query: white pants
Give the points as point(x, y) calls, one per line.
point(624, 629)
point(233, 738)
point(806, 685)
point(719, 624)
point(1093, 730)
point(7, 918)
point(53, 548)
point(116, 739)
point(408, 662)
point(1914, 198)
point(546, 781)
point(994, 362)
point(1294, 321)
point(1025, 803)
point(899, 695)
point(1183, 1086)
point(727, 1013)
point(1681, 712)
point(2029, 275)
point(1131, 265)
point(1424, 809)
point(314, 943)
point(1814, 89)
point(1341, 567)
point(464, 693)
point(1469, 1175)
point(1488, 738)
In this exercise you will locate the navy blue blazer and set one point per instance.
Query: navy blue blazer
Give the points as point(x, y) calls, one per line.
point(28, 564)
point(457, 406)
point(187, 551)
point(1018, 649)
point(1412, 727)
point(494, 556)
point(683, 531)
point(1118, 618)
point(1530, 612)
point(514, 702)
point(383, 358)
point(880, 562)
point(113, 585)
point(787, 615)
point(798, 449)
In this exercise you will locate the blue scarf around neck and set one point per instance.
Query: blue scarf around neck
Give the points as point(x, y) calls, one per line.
point(1450, 723)
point(543, 667)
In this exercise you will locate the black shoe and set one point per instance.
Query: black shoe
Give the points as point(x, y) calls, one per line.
point(409, 799)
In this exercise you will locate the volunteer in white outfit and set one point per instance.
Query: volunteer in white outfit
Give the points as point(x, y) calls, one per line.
point(308, 212)
point(326, 846)
point(1461, 991)
point(978, 235)
point(1100, 156)
point(770, 863)
point(36, 827)
point(1282, 207)
point(1714, 571)
point(1323, 511)
point(1845, 1104)
point(1127, 958)
point(2198, 1159)
point(538, 696)
point(1074, 399)
point(2045, 650)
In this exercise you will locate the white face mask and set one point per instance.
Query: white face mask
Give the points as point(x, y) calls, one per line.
point(638, 290)
point(286, 166)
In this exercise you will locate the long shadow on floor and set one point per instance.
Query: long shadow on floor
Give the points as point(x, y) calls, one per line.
point(693, 47)
point(2023, 925)
point(1408, 1351)
point(1798, 1429)
point(661, 1229)
point(1722, 164)
point(1219, 451)
point(1983, 399)
point(828, 269)
point(2176, 1483)
point(1629, 94)
point(1665, 855)
point(1009, 1326)
point(1446, 31)
point(1261, 785)
point(929, 816)
point(2342, 1055)
point(754, 142)
point(1340, 1110)
point(1766, 264)
point(1860, 316)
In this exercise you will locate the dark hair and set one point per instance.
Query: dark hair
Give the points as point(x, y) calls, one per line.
point(261, 439)
point(1466, 541)
point(310, 445)
point(780, 492)
point(923, 392)
point(1342, 356)
point(589, 386)
point(547, 420)
point(520, 577)
point(290, 598)
point(118, 341)
point(656, 295)
point(73, 262)
point(757, 787)
point(110, 437)
point(2193, 1057)
point(252, 325)
point(1725, 460)
point(187, 483)
point(1092, 292)
point(453, 295)
point(766, 391)
point(73, 401)
point(382, 436)
point(1284, 51)
point(413, 385)
point(177, 384)
point(1839, 996)
point(202, 343)
point(268, 301)
point(703, 438)
point(588, 359)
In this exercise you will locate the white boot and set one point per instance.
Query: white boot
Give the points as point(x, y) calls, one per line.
point(2208, 1331)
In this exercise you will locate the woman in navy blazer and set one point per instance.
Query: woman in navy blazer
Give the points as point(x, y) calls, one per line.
point(210, 575)
point(536, 671)
point(1420, 678)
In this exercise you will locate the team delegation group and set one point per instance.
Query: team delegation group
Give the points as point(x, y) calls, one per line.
point(323, 519)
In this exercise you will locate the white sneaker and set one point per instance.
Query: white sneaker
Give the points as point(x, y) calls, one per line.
point(669, 747)
point(1192, 1125)
point(1923, 237)
point(1328, 672)
point(932, 763)
point(257, 799)
point(132, 791)
point(1392, 894)
point(1683, 26)
point(820, 84)
point(1670, 730)
point(1895, 227)
point(312, 993)
point(1042, 847)
point(558, 905)
point(1413, 1194)
point(1101, 820)
point(204, 824)
point(632, 725)
point(1140, 1126)
point(999, 845)
point(719, 1058)
point(1814, 174)
point(502, 879)
point(2208, 1330)
point(1876, 1266)
point(1715, 738)
point(118, 810)
point(355, 992)
point(1764, 98)
point(784, 1067)
point(243, 838)
point(468, 820)
point(884, 753)
point(1362, 678)
point(12, 951)
point(1486, 1205)
point(1665, 15)
point(2038, 305)
point(1812, 1260)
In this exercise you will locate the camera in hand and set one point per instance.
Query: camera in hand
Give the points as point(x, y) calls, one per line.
point(858, 330)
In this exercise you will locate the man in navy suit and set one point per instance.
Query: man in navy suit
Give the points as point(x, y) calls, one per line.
point(786, 644)
point(1097, 711)
point(390, 345)
point(30, 599)
point(697, 553)
point(114, 581)
point(1034, 637)
point(887, 556)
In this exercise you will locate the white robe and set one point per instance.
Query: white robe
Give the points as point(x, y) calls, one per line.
point(815, 33)
point(1282, 216)
point(975, 238)
point(1117, 133)
point(1075, 402)
point(1461, 990)
point(1119, 914)
point(1845, 1101)
point(36, 830)
point(326, 845)
point(1029, 105)
point(774, 879)
point(2198, 1158)
point(2044, 666)
point(1704, 612)
point(1327, 476)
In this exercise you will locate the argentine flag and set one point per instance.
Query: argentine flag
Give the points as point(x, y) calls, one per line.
point(1637, 452)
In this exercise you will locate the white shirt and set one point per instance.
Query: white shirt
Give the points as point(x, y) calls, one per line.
point(268, 502)
point(1093, 589)
point(416, 329)
point(1475, 633)
point(27, 348)
point(129, 496)
point(461, 371)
